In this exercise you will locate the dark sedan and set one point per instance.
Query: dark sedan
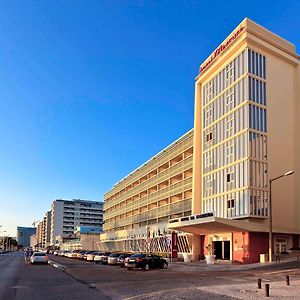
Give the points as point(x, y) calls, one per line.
point(146, 262)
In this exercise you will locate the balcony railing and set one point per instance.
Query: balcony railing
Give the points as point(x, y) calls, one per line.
point(152, 165)
point(164, 211)
point(169, 191)
point(160, 177)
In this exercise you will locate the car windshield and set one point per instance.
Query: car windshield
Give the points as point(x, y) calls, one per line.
point(115, 255)
point(124, 255)
point(137, 255)
point(39, 254)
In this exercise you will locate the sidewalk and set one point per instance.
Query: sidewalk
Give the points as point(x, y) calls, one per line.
point(226, 265)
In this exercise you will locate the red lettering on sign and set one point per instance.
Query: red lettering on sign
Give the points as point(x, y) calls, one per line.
point(220, 49)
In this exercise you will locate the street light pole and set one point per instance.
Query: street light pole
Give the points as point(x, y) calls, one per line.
point(270, 213)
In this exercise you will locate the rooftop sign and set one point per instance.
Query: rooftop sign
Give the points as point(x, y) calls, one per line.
point(220, 49)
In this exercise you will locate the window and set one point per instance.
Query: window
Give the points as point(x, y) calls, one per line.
point(228, 177)
point(209, 185)
point(209, 137)
point(209, 159)
point(209, 114)
point(229, 151)
point(229, 126)
point(229, 74)
point(229, 101)
point(230, 203)
point(210, 90)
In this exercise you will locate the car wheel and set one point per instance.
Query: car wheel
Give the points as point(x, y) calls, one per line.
point(165, 265)
point(129, 269)
point(146, 267)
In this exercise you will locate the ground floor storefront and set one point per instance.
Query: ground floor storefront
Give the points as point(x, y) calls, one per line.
point(233, 240)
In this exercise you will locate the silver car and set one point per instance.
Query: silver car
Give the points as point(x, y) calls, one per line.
point(39, 257)
point(112, 259)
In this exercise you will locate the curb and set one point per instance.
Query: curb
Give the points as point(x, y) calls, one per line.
point(56, 265)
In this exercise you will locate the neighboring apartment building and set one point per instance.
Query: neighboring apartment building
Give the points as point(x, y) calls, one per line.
point(40, 232)
point(43, 231)
point(24, 234)
point(68, 214)
point(246, 132)
point(247, 108)
point(140, 205)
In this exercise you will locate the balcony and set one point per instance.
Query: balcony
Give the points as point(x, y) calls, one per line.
point(179, 168)
point(165, 211)
point(153, 164)
point(169, 191)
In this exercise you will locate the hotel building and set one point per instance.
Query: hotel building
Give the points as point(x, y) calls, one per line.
point(246, 133)
point(138, 208)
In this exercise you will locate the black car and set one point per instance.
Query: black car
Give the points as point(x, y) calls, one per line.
point(146, 261)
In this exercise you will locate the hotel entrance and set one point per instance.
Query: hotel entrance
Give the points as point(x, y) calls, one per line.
point(222, 249)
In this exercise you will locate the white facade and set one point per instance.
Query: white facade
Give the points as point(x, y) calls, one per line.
point(234, 151)
point(68, 214)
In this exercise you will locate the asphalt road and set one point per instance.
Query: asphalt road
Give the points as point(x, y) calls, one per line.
point(177, 282)
point(35, 282)
point(87, 280)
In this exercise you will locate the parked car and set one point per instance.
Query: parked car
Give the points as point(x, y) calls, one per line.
point(146, 262)
point(98, 257)
point(105, 258)
point(86, 254)
point(120, 261)
point(39, 257)
point(56, 252)
point(73, 254)
point(112, 259)
point(90, 256)
point(80, 254)
point(66, 253)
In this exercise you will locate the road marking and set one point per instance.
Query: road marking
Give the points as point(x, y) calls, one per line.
point(56, 265)
point(19, 287)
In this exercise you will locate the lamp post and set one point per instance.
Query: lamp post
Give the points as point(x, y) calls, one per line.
point(270, 212)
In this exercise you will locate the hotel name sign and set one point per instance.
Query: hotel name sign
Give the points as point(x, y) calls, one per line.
point(221, 49)
point(193, 217)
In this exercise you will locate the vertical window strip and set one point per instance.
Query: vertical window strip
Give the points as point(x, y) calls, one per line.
point(264, 67)
point(256, 64)
point(249, 61)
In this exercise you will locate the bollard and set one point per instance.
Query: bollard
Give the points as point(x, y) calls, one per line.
point(287, 280)
point(267, 290)
point(259, 283)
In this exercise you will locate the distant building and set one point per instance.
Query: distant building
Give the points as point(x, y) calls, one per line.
point(68, 214)
point(24, 234)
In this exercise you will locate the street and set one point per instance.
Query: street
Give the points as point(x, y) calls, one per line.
point(18, 281)
point(87, 280)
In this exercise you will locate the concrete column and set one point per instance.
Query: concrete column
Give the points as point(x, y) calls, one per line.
point(196, 247)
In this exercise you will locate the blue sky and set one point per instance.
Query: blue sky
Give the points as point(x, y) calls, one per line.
point(89, 90)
